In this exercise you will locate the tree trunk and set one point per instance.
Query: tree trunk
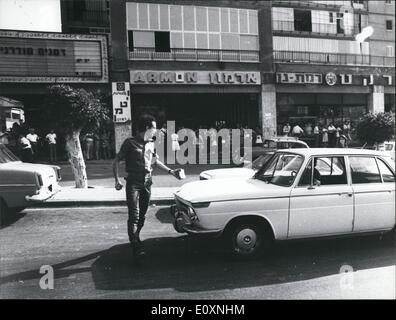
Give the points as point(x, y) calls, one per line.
point(76, 159)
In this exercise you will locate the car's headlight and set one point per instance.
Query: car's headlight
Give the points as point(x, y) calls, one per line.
point(39, 180)
point(191, 214)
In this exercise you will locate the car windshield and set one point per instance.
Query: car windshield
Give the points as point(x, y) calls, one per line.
point(257, 164)
point(6, 155)
point(281, 169)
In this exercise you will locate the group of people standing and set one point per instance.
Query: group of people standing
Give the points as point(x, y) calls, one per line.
point(29, 146)
point(331, 135)
point(96, 146)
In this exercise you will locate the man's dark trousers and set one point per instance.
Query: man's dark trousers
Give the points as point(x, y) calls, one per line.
point(138, 192)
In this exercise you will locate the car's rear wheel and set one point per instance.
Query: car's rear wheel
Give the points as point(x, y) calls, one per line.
point(3, 211)
point(18, 209)
point(247, 239)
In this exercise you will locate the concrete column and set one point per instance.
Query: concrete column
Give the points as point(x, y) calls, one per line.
point(376, 101)
point(268, 110)
point(119, 61)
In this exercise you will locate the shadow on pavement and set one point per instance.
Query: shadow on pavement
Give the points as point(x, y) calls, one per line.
point(163, 215)
point(197, 264)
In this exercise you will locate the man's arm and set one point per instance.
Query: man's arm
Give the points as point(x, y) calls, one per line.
point(116, 170)
point(163, 167)
point(120, 156)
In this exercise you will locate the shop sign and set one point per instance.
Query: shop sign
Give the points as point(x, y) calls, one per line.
point(301, 78)
point(195, 77)
point(121, 102)
point(332, 79)
point(48, 57)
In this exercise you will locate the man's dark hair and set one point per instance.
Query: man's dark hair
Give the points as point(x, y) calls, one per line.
point(145, 122)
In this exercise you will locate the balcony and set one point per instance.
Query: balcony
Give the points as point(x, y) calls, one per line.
point(320, 4)
point(177, 54)
point(329, 29)
point(332, 58)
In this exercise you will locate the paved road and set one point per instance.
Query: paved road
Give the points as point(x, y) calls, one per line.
point(88, 250)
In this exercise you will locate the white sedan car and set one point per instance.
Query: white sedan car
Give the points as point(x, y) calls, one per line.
point(22, 184)
point(303, 193)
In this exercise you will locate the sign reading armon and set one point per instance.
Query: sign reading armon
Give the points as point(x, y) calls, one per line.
point(196, 77)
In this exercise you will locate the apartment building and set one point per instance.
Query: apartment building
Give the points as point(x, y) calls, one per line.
point(200, 63)
point(324, 72)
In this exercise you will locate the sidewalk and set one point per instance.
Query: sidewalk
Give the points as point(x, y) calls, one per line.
point(103, 196)
point(101, 185)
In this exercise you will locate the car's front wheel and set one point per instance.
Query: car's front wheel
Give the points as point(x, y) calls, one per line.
point(248, 239)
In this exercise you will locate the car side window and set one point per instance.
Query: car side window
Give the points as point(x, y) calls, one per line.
point(330, 170)
point(364, 170)
point(386, 173)
point(305, 179)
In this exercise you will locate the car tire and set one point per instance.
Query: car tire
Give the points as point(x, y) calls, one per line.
point(3, 212)
point(18, 209)
point(247, 239)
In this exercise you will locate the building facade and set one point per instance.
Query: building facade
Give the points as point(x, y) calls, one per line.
point(254, 63)
point(323, 74)
point(199, 63)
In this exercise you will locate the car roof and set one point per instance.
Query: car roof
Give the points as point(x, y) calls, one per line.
point(332, 151)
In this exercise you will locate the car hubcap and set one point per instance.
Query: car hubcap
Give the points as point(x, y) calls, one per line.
point(246, 241)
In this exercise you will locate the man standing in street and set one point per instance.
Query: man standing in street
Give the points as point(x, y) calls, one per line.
point(139, 155)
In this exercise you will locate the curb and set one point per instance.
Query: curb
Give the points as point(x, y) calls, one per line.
point(62, 204)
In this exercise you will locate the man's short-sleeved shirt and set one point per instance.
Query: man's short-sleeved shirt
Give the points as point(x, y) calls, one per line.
point(138, 155)
point(51, 137)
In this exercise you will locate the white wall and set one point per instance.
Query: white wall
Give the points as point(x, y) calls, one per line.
point(33, 15)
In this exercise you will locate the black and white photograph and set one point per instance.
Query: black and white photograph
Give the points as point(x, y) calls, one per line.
point(197, 156)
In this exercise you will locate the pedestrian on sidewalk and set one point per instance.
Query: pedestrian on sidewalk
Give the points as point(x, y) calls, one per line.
point(139, 155)
point(33, 139)
point(51, 139)
point(26, 149)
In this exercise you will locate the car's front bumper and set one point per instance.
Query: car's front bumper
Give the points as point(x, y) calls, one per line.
point(44, 194)
point(183, 224)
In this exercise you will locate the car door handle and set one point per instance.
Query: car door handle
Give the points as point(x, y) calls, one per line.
point(350, 194)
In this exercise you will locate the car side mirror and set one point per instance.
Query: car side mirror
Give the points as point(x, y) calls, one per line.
point(316, 183)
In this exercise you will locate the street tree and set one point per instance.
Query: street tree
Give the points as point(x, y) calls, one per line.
point(375, 128)
point(70, 110)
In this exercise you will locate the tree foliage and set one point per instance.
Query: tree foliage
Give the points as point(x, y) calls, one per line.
point(376, 127)
point(71, 109)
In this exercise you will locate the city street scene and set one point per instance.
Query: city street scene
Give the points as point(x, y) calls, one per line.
point(197, 150)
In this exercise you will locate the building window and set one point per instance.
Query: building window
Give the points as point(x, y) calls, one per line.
point(302, 20)
point(390, 52)
point(389, 25)
point(162, 41)
point(388, 1)
point(79, 9)
point(130, 41)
